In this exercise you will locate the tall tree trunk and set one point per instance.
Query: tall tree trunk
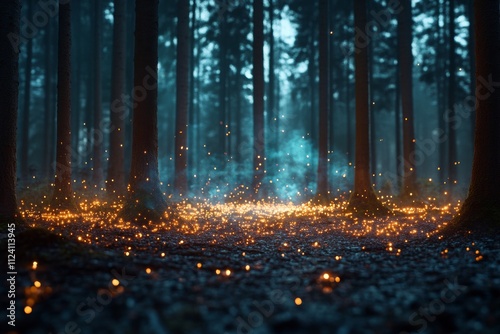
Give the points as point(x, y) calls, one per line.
point(118, 113)
point(48, 118)
point(452, 134)
point(10, 13)
point(363, 199)
point(441, 87)
point(63, 194)
point(77, 70)
point(258, 95)
point(192, 157)
point(27, 101)
point(397, 127)
point(97, 171)
point(223, 74)
point(182, 98)
point(406, 81)
point(145, 201)
point(481, 208)
point(324, 102)
point(271, 113)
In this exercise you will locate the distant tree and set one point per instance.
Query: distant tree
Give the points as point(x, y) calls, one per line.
point(482, 206)
point(97, 170)
point(63, 194)
point(258, 95)
point(115, 183)
point(324, 101)
point(363, 199)
point(182, 98)
point(145, 201)
point(25, 129)
point(10, 13)
point(405, 21)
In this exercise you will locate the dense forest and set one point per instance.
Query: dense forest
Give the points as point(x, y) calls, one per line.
point(149, 130)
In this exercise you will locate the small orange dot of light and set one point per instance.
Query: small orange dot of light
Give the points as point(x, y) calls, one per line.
point(37, 284)
point(115, 282)
point(28, 309)
point(298, 301)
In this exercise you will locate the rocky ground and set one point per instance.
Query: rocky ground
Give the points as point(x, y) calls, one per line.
point(256, 270)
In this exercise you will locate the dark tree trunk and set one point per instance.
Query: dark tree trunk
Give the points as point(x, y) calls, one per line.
point(48, 120)
point(397, 127)
point(97, 171)
point(441, 87)
point(118, 113)
point(192, 157)
point(271, 113)
point(145, 201)
point(76, 13)
point(182, 98)
point(10, 13)
point(452, 133)
point(363, 199)
point(324, 102)
point(63, 194)
point(26, 107)
point(223, 74)
point(406, 81)
point(482, 206)
point(258, 95)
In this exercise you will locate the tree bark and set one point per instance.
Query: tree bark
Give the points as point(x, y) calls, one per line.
point(63, 195)
point(406, 80)
point(482, 206)
point(324, 102)
point(145, 202)
point(258, 95)
point(363, 200)
point(182, 98)
point(10, 13)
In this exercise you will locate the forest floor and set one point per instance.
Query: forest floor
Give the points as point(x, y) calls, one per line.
point(247, 268)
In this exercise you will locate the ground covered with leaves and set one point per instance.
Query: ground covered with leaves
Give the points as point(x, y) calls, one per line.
point(255, 268)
